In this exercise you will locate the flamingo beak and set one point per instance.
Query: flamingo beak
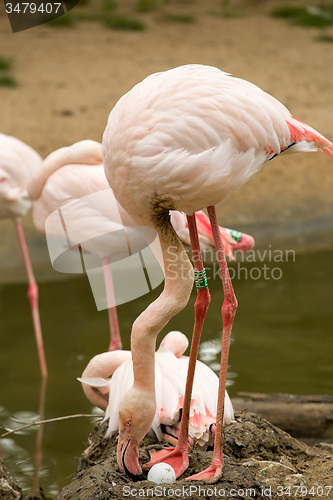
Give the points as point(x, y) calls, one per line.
point(245, 243)
point(128, 456)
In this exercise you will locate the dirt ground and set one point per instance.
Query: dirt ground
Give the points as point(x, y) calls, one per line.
point(70, 78)
point(261, 461)
point(258, 456)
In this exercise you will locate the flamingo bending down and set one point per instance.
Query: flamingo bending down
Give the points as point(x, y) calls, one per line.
point(67, 177)
point(170, 368)
point(18, 164)
point(185, 139)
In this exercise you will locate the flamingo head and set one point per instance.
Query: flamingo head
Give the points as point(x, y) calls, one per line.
point(136, 415)
point(245, 243)
point(176, 342)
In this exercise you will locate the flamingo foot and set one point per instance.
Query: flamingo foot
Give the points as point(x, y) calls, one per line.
point(176, 457)
point(210, 475)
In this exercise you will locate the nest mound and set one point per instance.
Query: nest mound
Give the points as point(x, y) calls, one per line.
point(261, 460)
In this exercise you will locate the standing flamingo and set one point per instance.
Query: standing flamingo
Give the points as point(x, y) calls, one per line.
point(185, 139)
point(68, 174)
point(18, 164)
point(170, 368)
point(67, 177)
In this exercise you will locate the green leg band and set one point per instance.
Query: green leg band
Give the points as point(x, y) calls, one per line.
point(236, 235)
point(200, 279)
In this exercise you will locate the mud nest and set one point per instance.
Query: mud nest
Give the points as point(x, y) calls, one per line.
point(261, 461)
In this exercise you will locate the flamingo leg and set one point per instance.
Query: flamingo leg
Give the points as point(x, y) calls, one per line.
point(229, 307)
point(33, 298)
point(178, 457)
point(115, 341)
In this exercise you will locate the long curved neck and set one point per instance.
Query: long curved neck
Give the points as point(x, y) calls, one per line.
point(103, 365)
point(177, 289)
point(84, 152)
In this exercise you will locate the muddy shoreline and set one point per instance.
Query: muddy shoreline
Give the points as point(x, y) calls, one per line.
point(259, 457)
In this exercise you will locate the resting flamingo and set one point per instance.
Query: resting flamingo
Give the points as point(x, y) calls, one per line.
point(186, 139)
point(170, 368)
point(67, 177)
point(18, 164)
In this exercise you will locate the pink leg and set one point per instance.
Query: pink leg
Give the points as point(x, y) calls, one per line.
point(115, 342)
point(33, 298)
point(178, 457)
point(229, 307)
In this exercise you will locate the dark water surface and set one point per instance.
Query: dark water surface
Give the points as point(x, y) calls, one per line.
point(282, 342)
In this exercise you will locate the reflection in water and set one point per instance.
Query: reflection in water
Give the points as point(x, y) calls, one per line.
point(19, 419)
point(282, 343)
point(20, 461)
point(209, 353)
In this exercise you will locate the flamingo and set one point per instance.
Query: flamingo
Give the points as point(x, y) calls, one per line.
point(232, 240)
point(170, 368)
point(186, 139)
point(67, 177)
point(18, 164)
point(68, 174)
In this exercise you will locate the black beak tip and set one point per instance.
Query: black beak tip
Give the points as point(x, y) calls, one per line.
point(134, 477)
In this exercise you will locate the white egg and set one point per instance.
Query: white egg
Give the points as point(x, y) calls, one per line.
point(162, 473)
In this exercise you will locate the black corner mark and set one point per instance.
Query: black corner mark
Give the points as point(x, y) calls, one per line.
point(70, 4)
point(26, 14)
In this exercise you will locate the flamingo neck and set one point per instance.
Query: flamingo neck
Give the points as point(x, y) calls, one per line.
point(178, 272)
point(84, 152)
point(105, 364)
point(102, 365)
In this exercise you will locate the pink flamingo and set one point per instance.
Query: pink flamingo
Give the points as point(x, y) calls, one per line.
point(170, 368)
point(185, 139)
point(18, 164)
point(67, 177)
point(232, 240)
point(68, 174)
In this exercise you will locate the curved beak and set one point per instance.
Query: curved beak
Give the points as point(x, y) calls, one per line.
point(128, 456)
point(245, 243)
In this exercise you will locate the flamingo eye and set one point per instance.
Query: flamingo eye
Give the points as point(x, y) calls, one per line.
point(128, 423)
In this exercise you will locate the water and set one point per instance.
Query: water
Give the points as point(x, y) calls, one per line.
point(282, 342)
